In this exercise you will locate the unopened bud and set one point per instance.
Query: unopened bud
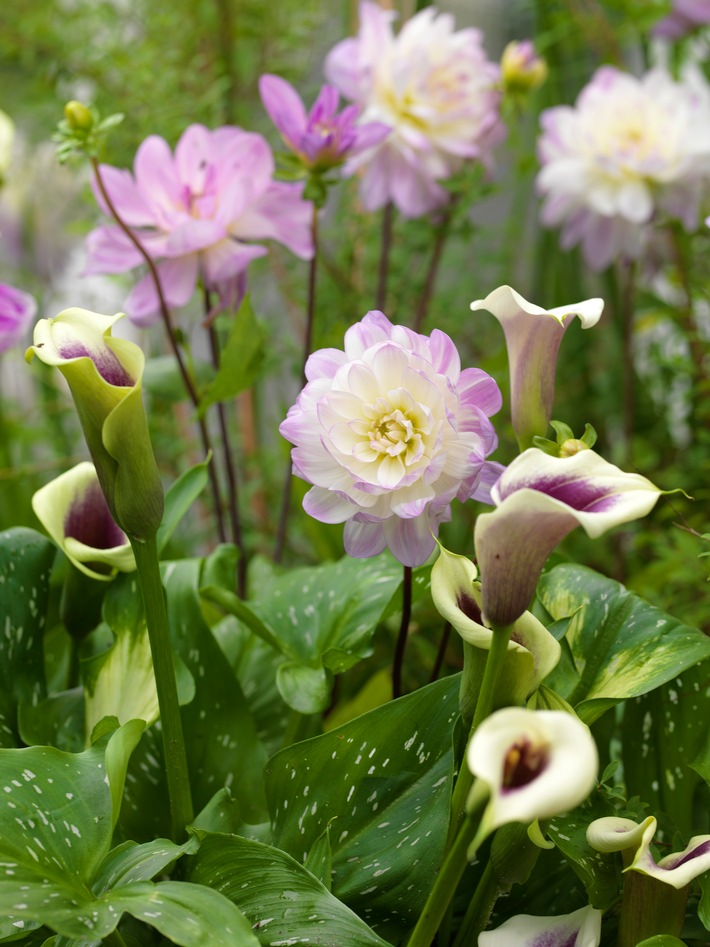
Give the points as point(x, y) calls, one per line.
point(522, 70)
point(572, 446)
point(78, 116)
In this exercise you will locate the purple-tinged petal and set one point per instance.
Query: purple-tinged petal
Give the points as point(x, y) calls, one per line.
point(581, 928)
point(284, 107)
point(156, 177)
point(178, 279)
point(125, 196)
point(17, 310)
point(282, 215)
point(362, 540)
point(225, 260)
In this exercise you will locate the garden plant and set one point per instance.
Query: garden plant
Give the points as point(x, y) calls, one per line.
point(347, 596)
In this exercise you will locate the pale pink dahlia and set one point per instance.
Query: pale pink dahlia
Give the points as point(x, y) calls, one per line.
point(201, 213)
point(630, 151)
point(389, 432)
point(436, 90)
point(17, 311)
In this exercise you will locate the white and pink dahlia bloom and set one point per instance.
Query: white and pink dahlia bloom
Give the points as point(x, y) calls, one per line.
point(389, 432)
point(629, 152)
point(201, 213)
point(436, 90)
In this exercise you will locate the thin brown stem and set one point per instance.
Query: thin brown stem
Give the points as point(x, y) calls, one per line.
point(441, 653)
point(401, 644)
point(383, 268)
point(442, 233)
point(230, 472)
point(172, 339)
point(282, 527)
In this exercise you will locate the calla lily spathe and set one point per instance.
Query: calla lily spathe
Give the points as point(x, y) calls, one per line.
point(532, 651)
point(535, 763)
point(539, 499)
point(74, 512)
point(533, 336)
point(526, 930)
point(613, 834)
point(105, 374)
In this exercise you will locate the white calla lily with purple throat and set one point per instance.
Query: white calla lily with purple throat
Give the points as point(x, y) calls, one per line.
point(539, 500)
point(582, 928)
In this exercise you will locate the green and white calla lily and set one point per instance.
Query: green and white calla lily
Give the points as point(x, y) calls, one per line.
point(526, 930)
point(73, 510)
point(104, 375)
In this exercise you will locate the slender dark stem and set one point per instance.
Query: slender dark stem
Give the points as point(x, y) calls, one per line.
point(442, 233)
point(441, 653)
point(383, 269)
point(156, 616)
point(627, 354)
point(172, 339)
point(401, 644)
point(230, 472)
point(307, 345)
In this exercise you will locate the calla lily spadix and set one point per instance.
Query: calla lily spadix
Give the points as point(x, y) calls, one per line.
point(532, 651)
point(634, 840)
point(539, 499)
point(532, 337)
point(535, 763)
point(73, 510)
point(105, 374)
point(581, 928)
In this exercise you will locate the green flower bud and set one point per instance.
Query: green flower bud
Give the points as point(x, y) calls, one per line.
point(78, 116)
point(104, 375)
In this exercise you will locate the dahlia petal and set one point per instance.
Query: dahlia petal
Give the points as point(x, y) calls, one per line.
point(410, 541)
point(327, 506)
point(284, 107)
point(362, 540)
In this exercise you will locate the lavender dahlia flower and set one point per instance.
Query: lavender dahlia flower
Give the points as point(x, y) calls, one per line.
point(629, 150)
point(437, 91)
point(194, 212)
point(389, 432)
point(17, 310)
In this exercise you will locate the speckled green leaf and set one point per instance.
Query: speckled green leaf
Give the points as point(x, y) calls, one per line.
point(666, 748)
point(321, 617)
point(284, 902)
point(382, 783)
point(26, 559)
point(223, 746)
point(600, 873)
point(619, 645)
point(661, 940)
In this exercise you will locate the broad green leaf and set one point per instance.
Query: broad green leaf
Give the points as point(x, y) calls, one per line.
point(619, 645)
point(661, 940)
point(221, 814)
point(179, 498)
point(664, 738)
point(223, 746)
point(383, 784)
point(56, 822)
point(241, 360)
point(130, 862)
point(599, 872)
point(284, 902)
point(26, 559)
point(305, 689)
point(320, 617)
point(58, 720)
point(120, 682)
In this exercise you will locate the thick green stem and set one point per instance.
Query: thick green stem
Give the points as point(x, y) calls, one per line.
point(484, 705)
point(146, 556)
point(479, 909)
point(445, 885)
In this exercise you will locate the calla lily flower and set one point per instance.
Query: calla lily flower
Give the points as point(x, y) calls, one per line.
point(533, 336)
point(634, 841)
point(535, 763)
point(582, 928)
point(539, 500)
point(532, 651)
point(104, 375)
point(73, 510)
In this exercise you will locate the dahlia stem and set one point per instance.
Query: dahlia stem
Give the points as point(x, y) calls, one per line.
point(442, 233)
point(172, 339)
point(383, 269)
point(230, 472)
point(181, 812)
point(484, 705)
point(401, 644)
point(307, 346)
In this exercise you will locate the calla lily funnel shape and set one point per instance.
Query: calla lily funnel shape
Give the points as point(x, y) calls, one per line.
point(73, 510)
point(535, 763)
point(532, 337)
point(582, 928)
point(105, 375)
point(539, 500)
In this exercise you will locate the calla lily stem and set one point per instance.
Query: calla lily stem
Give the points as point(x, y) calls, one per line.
point(484, 706)
point(181, 812)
